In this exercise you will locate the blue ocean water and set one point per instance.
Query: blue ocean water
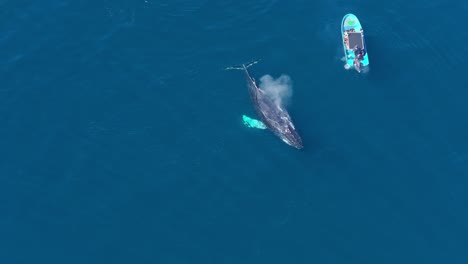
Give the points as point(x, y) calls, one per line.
point(122, 138)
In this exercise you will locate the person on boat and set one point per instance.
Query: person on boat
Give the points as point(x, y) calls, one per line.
point(359, 52)
point(358, 57)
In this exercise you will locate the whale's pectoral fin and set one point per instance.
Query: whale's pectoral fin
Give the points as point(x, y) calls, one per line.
point(253, 123)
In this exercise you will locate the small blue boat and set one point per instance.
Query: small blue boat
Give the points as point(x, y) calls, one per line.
point(353, 43)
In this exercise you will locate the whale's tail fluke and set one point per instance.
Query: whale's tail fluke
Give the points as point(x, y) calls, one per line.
point(243, 66)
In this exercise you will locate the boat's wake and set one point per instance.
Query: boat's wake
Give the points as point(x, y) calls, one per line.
point(362, 69)
point(365, 69)
point(346, 66)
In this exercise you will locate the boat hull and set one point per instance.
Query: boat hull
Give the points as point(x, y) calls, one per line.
point(353, 35)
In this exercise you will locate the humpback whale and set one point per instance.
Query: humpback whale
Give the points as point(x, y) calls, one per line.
point(273, 115)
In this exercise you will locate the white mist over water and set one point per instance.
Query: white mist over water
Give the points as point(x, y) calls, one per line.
point(279, 90)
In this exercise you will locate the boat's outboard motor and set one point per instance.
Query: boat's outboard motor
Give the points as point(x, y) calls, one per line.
point(357, 65)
